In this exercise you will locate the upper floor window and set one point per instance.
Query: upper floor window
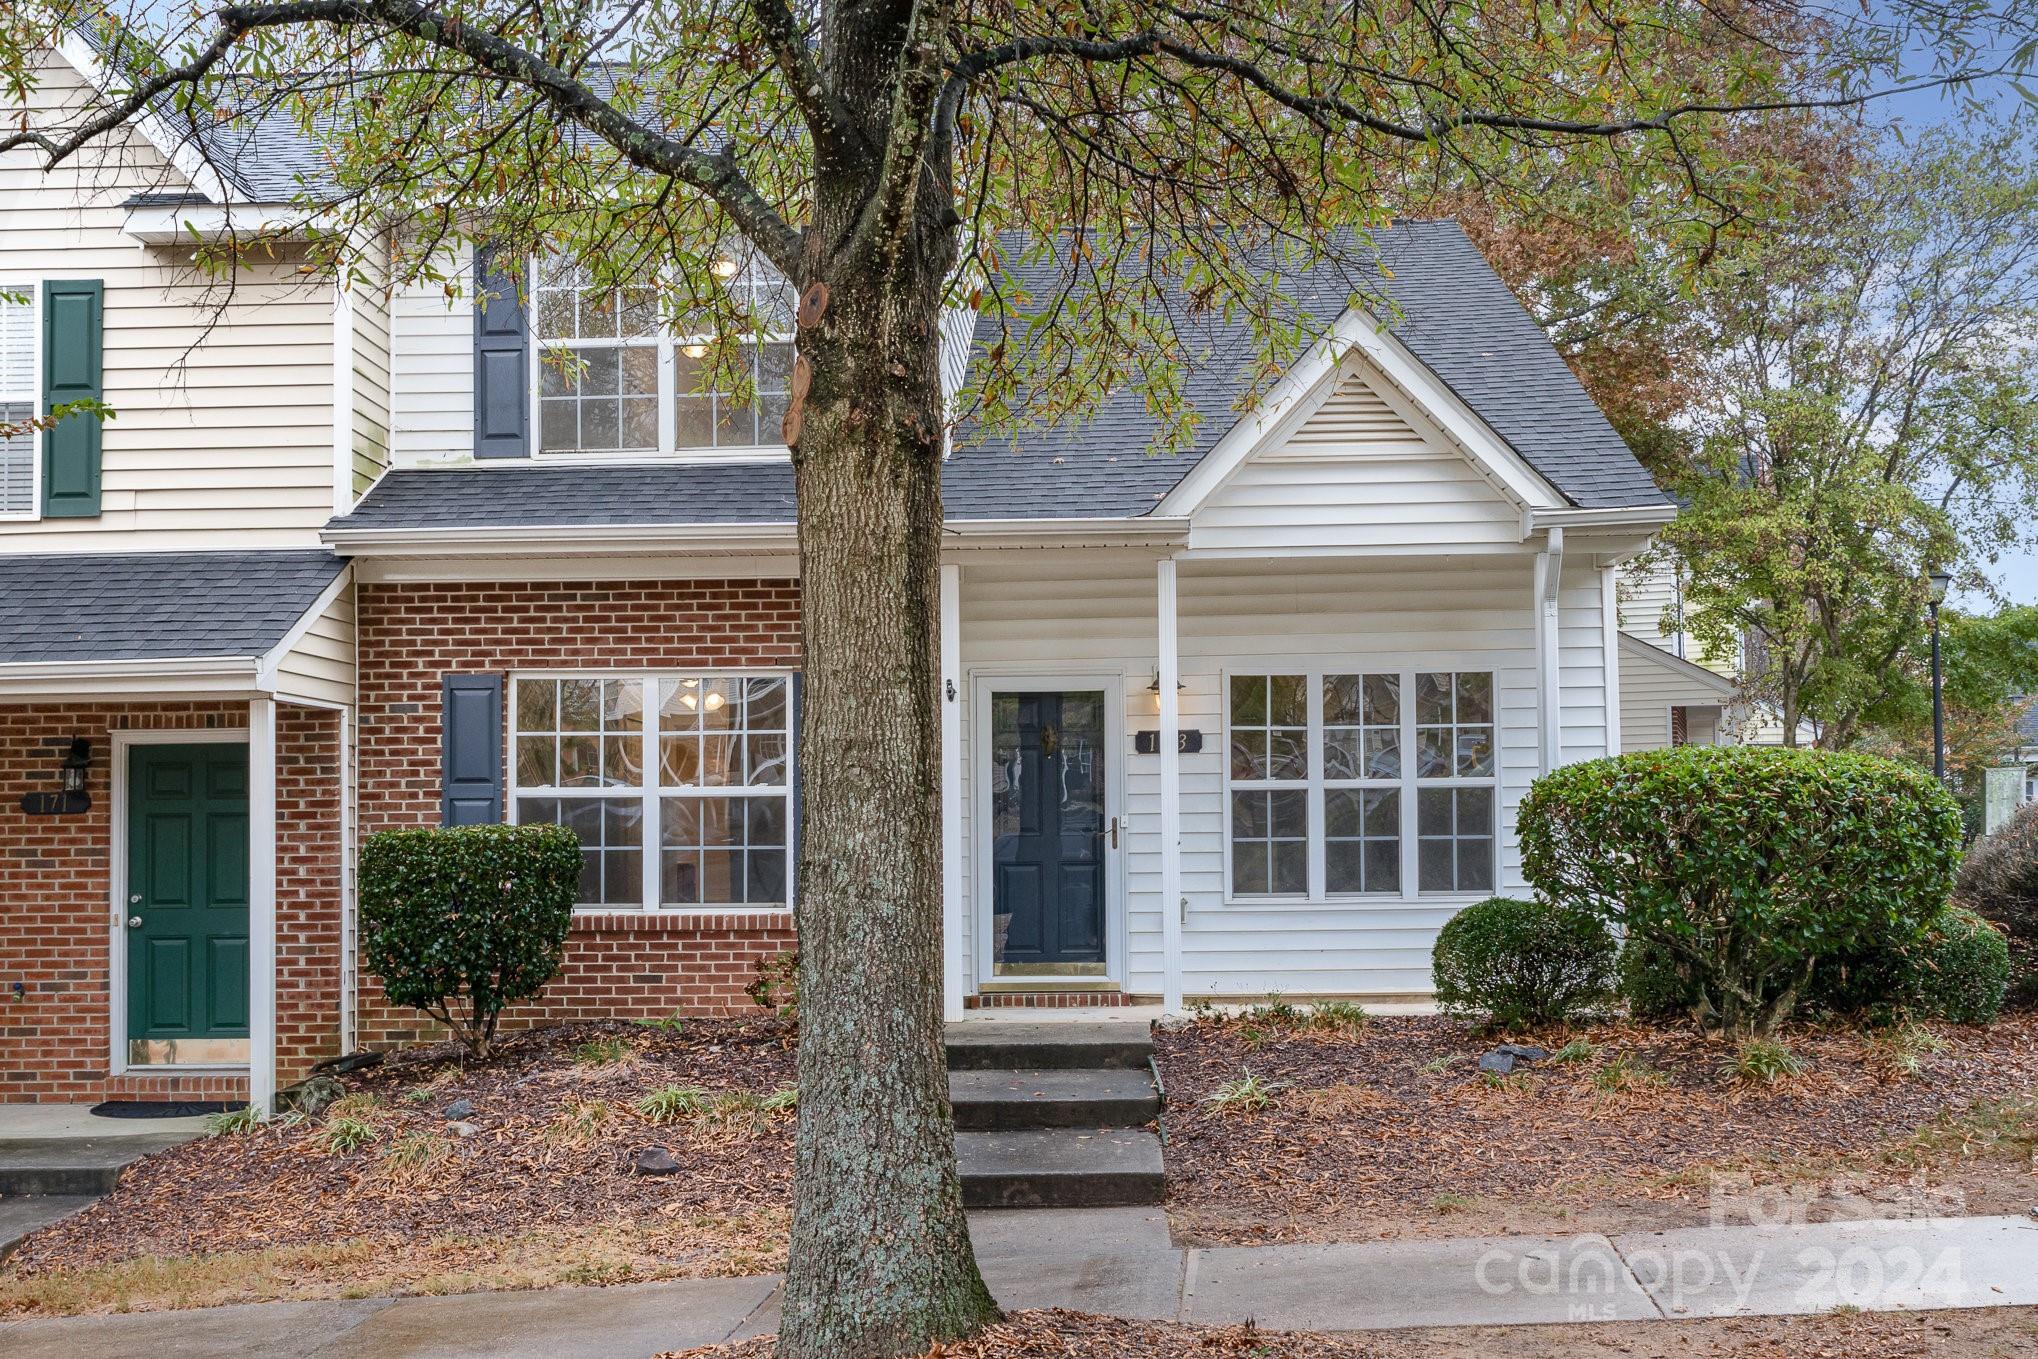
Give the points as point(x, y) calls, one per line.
point(615, 379)
point(1346, 784)
point(18, 399)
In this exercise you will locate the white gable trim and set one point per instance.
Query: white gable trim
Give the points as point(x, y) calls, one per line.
point(1308, 384)
point(177, 150)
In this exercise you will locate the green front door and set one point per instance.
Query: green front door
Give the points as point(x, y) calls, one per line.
point(187, 904)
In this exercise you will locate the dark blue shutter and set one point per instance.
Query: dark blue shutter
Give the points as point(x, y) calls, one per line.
point(471, 734)
point(502, 345)
point(73, 314)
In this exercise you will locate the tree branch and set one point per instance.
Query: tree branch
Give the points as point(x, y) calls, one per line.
point(828, 122)
point(911, 128)
point(712, 173)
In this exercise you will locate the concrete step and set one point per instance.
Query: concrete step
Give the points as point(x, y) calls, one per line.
point(1059, 1168)
point(1003, 1101)
point(74, 1165)
point(20, 1216)
point(996, 1045)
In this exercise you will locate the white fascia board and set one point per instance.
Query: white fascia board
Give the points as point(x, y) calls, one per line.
point(213, 676)
point(207, 224)
point(713, 538)
point(552, 539)
point(177, 150)
point(266, 668)
point(1536, 520)
point(1309, 382)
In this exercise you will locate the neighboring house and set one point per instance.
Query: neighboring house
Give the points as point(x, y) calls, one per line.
point(1251, 716)
point(1673, 692)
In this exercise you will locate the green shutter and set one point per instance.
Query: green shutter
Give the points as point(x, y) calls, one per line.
point(72, 311)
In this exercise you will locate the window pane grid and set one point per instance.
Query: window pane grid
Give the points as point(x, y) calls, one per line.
point(1361, 783)
point(717, 795)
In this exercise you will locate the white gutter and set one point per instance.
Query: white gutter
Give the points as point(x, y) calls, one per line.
point(206, 224)
point(711, 538)
point(1534, 521)
point(183, 667)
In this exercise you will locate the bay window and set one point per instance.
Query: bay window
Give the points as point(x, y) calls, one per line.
point(615, 379)
point(1357, 783)
point(679, 786)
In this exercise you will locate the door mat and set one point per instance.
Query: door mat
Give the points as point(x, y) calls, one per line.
point(163, 1108)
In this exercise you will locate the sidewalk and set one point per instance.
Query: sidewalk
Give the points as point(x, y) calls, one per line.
point(1119, 1261)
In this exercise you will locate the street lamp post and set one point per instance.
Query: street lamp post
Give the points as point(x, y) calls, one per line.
point(1941, 581)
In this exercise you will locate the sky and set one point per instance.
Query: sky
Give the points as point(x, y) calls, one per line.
point(2016, 576)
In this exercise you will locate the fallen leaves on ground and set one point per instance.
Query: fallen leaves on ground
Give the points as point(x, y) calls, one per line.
point(1077, 1335)
point(1395, 1127)
point(554, 1125)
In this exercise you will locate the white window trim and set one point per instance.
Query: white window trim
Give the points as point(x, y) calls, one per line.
point(654, 791)
point(30, 282)
point(667, 343)
point(1408, 783)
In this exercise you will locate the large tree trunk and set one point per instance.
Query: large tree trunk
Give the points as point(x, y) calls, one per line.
point(880, 1263)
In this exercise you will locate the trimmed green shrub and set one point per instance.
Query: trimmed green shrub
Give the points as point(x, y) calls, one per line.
point(1522, 964)
point(1744, 865)
point(461, 922)
point(1652, 984)
point(1999, 881)
point(1958, 970)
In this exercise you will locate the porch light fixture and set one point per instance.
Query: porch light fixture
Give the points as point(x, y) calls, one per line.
point(76, 762)
point(1155, 689)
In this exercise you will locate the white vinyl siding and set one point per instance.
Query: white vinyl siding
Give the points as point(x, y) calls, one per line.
point(320, 665)
point(1365, 470)
point(223, 424)
point(1042, 614)
point(431, 377)
point(1651, 683)
point(20, 395)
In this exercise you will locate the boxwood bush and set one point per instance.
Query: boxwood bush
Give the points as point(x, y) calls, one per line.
point(1744, 865)
point(1959, 969)
point(1999, 881)
point(461, 922)
point(1522, 964)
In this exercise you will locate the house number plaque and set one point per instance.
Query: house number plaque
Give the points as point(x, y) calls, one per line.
point(56, 804)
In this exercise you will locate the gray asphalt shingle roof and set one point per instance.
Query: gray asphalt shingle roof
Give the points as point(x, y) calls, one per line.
point(123, 606)
point(1457, 318)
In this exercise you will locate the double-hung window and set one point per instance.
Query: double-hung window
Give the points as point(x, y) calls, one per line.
point(19, 398)
point(1360, 783)
point(679, 785)
point(614, 379)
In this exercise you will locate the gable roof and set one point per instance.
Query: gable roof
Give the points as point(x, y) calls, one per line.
point(134, 606)
point(1459, 322)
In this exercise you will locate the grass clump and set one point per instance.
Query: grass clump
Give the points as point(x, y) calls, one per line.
point(409, 1156)
point(579, 1122)
point(601, 1052)
point(1577, 1050)
point(1762, 1061)
point(1626, 1072)
point(233, 1122)
point(345, 1134)
point(670, 1102)
point(1249, 1094)
point(1344, 1018)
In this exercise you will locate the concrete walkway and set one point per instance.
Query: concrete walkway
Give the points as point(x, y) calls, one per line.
point(1120, 1261)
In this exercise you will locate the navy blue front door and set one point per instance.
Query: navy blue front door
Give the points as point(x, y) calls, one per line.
point(1047, 828)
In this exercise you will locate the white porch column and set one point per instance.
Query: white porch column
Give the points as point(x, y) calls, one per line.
point(1609, 641)
point(953, 950)
point(1169, 675)
point(262, 904)
point(1549, 659)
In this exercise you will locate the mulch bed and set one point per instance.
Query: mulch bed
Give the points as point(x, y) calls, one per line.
point(1383, 1131)
point(1075, 1335)
point(523, 1168)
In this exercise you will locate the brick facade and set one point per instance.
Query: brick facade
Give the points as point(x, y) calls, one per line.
point(412, 635)
point(55, 900)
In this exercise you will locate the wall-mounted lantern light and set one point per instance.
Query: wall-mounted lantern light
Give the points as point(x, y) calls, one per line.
point(76, 763)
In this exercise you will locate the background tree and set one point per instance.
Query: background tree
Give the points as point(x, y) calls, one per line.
point(891, 158)
point(1866, 413)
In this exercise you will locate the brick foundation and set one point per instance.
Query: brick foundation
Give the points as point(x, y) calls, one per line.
point(55, 901)
point(412, 635)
